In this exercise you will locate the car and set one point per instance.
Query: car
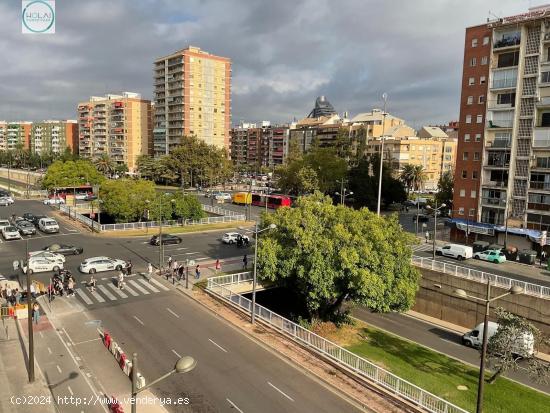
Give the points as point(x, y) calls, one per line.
point(25, 227)
point(495, 256)
point(4, 223)
point(81, 196)
point(90, 197)
point(98, 264)
point(460, 252)
point(166, 239)
point(48, 255)
point(10, 232)
point(15, 219)
point(421, 218)
point(64, 249)
point(5, 201)
point(40, 264)
point(53, 201)
point(231, 237)
point(48, 225)
point(4, 193)
point(28, 216)
point(222, 196)
point(36, 219)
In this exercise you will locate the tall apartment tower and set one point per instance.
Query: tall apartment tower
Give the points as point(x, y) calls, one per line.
point(503, 163)
point(116, 125)
point(192, 97)
point(54, 137)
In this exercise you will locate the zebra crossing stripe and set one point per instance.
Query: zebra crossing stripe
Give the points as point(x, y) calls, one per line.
point(158, 284)
point(138, 287)
point(97, 296)
point(151, 287)
point(83, 295)
point(106, 292)
point(130, 290)
point(118, 291)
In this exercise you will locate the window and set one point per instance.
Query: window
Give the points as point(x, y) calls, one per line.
point(464, 156)
point(476, 156)
point(470, 100)
point(545, 77)
point(482, 80)
point(464, 173)
point(471, 81)
point(478, 137)
point(506, 99)
point(468, 118)
point(474, 42)
point(467, 137)
point(473, 61)
point(508, 59)
point(481, 99)
point(473, 194)
point(461, 211)
point(484, 60)
point(474, 174)
point(472, 212)
point(479, 119)
point(485, 40)
point(462, 193)
point(545, 120)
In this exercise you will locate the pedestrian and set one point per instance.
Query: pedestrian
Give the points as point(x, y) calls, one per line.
point(120, 280)
point(92, 283)
point(8, 295)
point(70, 287)
point(15, 265)
point(36, 313)
point(245, 262)
point(150, 270)
point(542, 256)
point(197, 272)
point(181, 270)
point(169, 262)
point(17, 296)
point(129, 268)
point(218, 266)
point(427, 236)
point(175, 267)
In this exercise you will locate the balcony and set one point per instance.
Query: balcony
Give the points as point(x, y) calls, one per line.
point(504, 83)
point(496, 184)
point(538, 207)
point(498, 202)
point(541, 138)
point(498, 144)
point(510, 40)
point(500, 124)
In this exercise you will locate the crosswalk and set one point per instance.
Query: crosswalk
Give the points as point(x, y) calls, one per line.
point(109, 293)
point(422, 247)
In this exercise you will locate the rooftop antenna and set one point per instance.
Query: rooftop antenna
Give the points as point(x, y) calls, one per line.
point(491, 14)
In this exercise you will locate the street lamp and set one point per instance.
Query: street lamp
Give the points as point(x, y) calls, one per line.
point(343, 195)
point(256, 232)
point(514, 290)
point(183, 365)
point(436, 210)
point(161, 250)
point(385, 98)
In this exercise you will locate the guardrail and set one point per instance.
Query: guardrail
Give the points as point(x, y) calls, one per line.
point(79, 217)
point(236, 278)
point(220, 211)
point(535, 290)
point(172, 223)
point(351, 361)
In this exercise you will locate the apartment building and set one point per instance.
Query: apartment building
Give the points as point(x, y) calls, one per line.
point(322, 130)
point(503, 173)
point(116, 125)
point(54, 137)
point(14, 135)
point(192, 97)
point(3, 134)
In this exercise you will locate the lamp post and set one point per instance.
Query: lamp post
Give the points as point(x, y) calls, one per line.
point(436, 210)
point(183, 365)
point(487, 301)
point(343, 195)
point(385, 98)
point(161, 250)
point(254, 279)
point(29, 315)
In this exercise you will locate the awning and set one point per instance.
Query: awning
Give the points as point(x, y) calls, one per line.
point(472, 227)
point(533, 234)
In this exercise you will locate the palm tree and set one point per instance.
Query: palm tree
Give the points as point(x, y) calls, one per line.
point(418, 177)
point(104, 164)
point(407, 176)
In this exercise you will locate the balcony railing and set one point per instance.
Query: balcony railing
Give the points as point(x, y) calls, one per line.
point(498, 144)
point(494, 201)
point(500, 123)
point(538, 207)
point(545, 186)
point(496, 184)
point(541, 138)
point(507, 42)
point(504, 83)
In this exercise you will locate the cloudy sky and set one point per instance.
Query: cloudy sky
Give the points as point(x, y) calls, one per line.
point(284, 52)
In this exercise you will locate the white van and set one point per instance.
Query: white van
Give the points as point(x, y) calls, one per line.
point(474, 338)
point(460, 252)
point(48, 225)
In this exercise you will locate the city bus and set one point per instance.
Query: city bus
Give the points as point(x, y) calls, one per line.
point(80, 191)
point(273, 201)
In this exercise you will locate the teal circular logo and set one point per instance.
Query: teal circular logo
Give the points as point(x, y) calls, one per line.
point(38, 16)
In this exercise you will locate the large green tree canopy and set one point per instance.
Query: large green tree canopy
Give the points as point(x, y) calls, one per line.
point(330, 254)
point(71, 173)
point(126, 199)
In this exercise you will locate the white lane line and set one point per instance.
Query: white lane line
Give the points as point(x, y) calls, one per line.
point(106, 292)
point(176, 353)
point(171, 312)
point(280, 391)
point(201, 259)
point(49, 350)
point(130, 290)
point(191, 253)
point(233, 405)
point(151, 287)
point(84, 296)
point(58, 368)
point(158, 284)
point(41, 335)
point(138, 287)
point(217, 345)
point(451, 342)
point(117, 291)
point(97, 297)
point(182, 248)
point(139, 321)
point(70, 390)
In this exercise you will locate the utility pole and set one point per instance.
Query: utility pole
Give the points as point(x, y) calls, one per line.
point(161, 258)
point(29, 316)
point(385, 97)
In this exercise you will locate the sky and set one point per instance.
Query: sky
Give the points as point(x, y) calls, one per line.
point(285, 53)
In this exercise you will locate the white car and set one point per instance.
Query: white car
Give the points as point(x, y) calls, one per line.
point(41, 265)
point(6, 201)
point(231, 237)
point(48, 255)
point(4, 223)
point(48, 225)
point(98, 264)
point(53, 201)
point(222, 196)
point(10, 233)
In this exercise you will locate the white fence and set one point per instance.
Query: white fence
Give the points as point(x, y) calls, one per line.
point(155, 224)
point(481, 276)
point(351, 361)
point(79, 217)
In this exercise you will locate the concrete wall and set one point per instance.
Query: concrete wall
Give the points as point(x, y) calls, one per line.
point(440, 302)
point(20, 176)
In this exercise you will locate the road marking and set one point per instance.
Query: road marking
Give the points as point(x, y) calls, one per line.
point(58, 369)
point(130, 290)
point(106, 292)
point(86, 341)
point(280, 391)
point(176, 353)
point(97, 296)
point(201, 259)
point(49, 350)
point(217, 345)
point(451, 342)
point(191, 253)
point(151, 287)
point(138, 287)
point(41, 335)
point(182, 248)
point(70, 390)
point(139, 321)
point(84, 297)
point(233, 405)
point(171, 312)
point(158, 284)
point(117, 291)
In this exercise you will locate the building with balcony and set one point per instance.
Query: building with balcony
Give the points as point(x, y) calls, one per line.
point(54, 137)
point(192, 97)
point(14, 135)
point(116, 125)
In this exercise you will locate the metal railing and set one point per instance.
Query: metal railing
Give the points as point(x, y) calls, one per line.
point(171, 223)
point(220, 211)
point(346, 358)
point(73, 214)
point(534, 290)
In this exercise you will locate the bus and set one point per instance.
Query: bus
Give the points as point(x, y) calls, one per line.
point(273, 201)
point(80, 191)
point(242, 198)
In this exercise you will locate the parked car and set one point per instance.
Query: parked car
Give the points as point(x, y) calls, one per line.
point(10, 232)
point(53, 201)
point(460, 252)
point(5, 201)
point(81, 196)
point(25, 227)
point(98, 264)
point(222, 196)
point(495, 256)
point(90, 197)
point(48, 255)
point(36, 219)
point(40, 264)
point(231, 237)
point(165, 239)
point(28, 216)
point(421, 218)
point(64, 249)
point(48, 225)
point(523, 346)
point(4, 223)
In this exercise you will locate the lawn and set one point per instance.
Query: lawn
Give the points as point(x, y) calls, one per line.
point(441, 375)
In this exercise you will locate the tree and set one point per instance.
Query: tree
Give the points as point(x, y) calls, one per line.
point(407, 176)
point(445, 187)
point(503, 347)
point(328, 166)
point(104, 164)
point(71, 173)
point(297, 178)
point(327, 255)
point(418, 177)
point(126, 199)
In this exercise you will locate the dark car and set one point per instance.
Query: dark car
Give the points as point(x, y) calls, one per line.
point(25, 227)
point(28, 216)
point(90, 197)
point(421, 218)
point(37, 218)
point(166, 239)
point(64, 249)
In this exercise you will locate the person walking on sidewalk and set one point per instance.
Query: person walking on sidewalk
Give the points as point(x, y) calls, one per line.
point(198, 271)
point(92, 283)
point(245, 262)
point(129, 268)
point(70, 287)
point(427, 237)
point(120, 280)
point(218, 266)
point(35, 313)
point(150, 270)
